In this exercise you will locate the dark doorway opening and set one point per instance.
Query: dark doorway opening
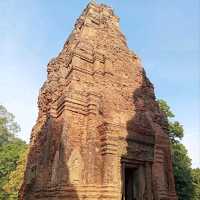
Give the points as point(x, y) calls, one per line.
point(130, 183)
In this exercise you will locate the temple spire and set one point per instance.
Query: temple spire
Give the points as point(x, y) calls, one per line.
point(93, 1)
point(99, 132)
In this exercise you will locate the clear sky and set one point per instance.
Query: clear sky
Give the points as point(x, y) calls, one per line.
point(164, 34)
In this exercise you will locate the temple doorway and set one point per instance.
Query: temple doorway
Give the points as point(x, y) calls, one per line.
point(131, 185)
point(133, 182)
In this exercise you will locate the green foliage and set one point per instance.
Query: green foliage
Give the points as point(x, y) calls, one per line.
point(15, 177)
point(176, 132)
point(8, 127)
point(11, 149)
point(175, 129)
point(196, 183)
point(9, 154)
point(165, 108)
point(182, 172)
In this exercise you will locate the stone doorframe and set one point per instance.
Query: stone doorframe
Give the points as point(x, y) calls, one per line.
point(144, 176)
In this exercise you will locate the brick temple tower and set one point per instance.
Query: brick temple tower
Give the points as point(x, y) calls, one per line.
point(99, 134)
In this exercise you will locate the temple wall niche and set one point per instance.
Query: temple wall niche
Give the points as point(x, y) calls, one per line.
point(75, 165)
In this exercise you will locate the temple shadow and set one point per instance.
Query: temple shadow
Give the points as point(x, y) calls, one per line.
point(47, 175)
point(137, 162)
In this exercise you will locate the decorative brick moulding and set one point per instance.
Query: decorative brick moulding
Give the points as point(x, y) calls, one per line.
point(99, 134)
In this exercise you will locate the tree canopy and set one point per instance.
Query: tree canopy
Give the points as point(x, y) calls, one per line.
point(175, 129)
point(15, 178)
point(8, 127)
point(196, 183)
point(11, 148)
point(182, 172)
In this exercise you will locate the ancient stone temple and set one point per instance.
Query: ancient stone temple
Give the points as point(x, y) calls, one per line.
point(99, 134)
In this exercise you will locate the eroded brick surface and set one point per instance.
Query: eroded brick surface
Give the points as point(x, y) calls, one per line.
point(97, 117)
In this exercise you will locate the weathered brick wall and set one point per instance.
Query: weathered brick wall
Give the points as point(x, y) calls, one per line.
point(97, 115)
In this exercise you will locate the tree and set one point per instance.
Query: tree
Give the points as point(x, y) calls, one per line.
point(16, 177)
point(11, 148)
point(196, 183)
point(182, 172)
point(175, 129)
point(181, 161)
point(8, 127)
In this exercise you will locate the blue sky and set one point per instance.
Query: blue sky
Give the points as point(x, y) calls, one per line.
point(164, 34)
